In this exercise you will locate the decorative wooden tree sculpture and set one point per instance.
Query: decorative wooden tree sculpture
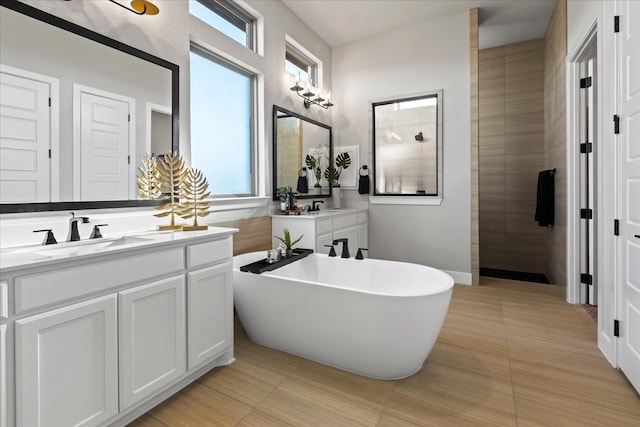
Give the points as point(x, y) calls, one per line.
point(172, 175)
point(195, 203)
point(149, 187)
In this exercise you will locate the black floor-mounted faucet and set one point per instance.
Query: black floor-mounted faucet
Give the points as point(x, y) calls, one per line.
point(345, 247)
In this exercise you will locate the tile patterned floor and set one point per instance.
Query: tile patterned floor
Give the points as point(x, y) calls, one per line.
point(510, 354)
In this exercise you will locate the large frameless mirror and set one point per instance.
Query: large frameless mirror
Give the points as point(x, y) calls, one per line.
point(302, 149)
point(407, 146)
point(79, 112)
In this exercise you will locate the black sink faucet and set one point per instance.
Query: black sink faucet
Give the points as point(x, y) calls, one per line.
point(314, 205)
point(73, 227)
point(345, 247)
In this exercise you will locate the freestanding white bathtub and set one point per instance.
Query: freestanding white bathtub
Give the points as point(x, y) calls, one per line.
point(372, 317)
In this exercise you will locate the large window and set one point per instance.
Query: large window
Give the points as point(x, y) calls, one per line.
point(407, 146)
point(222, 124)
point(226, 17)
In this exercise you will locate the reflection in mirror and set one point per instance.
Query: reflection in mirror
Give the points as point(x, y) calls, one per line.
point(407, 149)
point(79, 112)
point(302, 148)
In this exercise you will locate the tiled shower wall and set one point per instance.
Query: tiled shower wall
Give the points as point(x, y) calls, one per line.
point(511, 153)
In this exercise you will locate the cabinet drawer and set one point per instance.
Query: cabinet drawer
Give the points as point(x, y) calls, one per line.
point(324, 226)
point(4, 303)
point(55, 286)
point(344, 221)
point(362, 217)
point(208, 253)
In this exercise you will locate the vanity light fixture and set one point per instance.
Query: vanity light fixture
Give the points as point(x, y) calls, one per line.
point(140, 7)
point(312, 95)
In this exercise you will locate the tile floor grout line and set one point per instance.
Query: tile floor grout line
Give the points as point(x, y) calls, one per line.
point(506, 342)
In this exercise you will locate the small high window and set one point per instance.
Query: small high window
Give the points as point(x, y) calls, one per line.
point(301, 63)
point(226, 17)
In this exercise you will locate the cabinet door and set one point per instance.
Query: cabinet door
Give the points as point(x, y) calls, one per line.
point(210, 318)
point(350, 233)
point(324, 239)
point(3, 376)
point(67, 365)
point(152, 338)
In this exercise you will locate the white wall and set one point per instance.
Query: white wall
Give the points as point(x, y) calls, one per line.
point(167, 35)
point(428, 56)
point(580, 16)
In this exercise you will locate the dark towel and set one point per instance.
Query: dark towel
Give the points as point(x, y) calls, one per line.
point(545, 203)
point(303, 185)
point(363, 184)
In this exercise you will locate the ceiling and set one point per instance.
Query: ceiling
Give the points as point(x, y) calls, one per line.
point(340, 22)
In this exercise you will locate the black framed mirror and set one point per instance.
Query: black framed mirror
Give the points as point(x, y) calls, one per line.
point(78, 64)
point(302, 149)
point(407, 145)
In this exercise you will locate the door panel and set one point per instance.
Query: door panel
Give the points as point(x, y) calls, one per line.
point(67, 365)
point(152, 338)
point(24, 140)
point(104, 148)
point(210, 300)
point(629, 342)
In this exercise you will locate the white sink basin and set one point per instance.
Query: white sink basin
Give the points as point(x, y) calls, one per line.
point(88, 246)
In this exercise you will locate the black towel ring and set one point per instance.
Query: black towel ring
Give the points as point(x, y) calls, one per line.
point(365, 168)
point(302, 172)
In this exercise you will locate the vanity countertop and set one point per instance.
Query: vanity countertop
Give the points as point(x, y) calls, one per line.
point(321, 213)
point(17, 257)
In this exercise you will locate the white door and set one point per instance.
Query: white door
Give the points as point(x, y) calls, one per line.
point(587, 147)
point(24, 140)
point(629, 308)
point(152, 338)
point(104, 147)
point(67, 365)
point(210, 322)
point(3, 376)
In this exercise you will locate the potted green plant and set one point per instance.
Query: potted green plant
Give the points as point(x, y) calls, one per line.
point(281, 193)
point(287, 241)
point(332, 174)
point(313, 163)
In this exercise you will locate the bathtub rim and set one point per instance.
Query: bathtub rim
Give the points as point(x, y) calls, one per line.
point(272, 274)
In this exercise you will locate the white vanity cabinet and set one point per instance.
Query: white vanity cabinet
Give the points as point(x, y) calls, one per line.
point(67, 365)
point(321, 228)
point(152, 334)
point(101, 339)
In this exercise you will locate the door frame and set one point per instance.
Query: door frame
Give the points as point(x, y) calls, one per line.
point(149, 110)
point(54, 124)
point(605, 181)
point(78, 90)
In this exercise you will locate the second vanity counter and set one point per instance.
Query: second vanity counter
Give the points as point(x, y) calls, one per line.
point(322, 227)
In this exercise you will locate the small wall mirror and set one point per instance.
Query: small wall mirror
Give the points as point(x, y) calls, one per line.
point(407, 146)
point(302, 149)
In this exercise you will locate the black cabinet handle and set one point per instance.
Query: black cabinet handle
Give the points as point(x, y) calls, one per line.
point(638, 236)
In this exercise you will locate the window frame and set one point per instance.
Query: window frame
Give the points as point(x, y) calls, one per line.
point(301, 56)
point(253, 137)
point(411, 198)
point(234, 14)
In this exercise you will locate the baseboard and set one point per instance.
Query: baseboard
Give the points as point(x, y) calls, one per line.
point(459, 277)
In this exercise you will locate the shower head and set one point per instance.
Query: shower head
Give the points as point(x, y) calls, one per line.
point(419, 137)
